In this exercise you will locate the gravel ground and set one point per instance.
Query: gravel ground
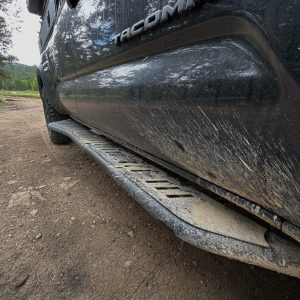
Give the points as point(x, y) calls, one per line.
point(69, 232)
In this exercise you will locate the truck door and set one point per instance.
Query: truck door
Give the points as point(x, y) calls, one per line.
point(97, 23)
point(56, 44)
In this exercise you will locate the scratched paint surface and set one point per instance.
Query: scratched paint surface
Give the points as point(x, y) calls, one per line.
point(225, 139)
point(225, 109)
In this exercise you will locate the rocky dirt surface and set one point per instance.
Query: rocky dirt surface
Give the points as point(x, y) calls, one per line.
point(69, 232)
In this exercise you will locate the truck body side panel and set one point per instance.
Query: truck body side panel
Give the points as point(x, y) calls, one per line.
point(214, 91)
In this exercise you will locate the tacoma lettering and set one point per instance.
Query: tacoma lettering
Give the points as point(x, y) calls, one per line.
point(153, 20)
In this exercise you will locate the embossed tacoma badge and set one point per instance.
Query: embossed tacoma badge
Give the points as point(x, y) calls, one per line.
point(153, 20)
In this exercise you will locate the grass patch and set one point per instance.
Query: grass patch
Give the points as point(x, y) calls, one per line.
point(2, 101)
point(26, 94)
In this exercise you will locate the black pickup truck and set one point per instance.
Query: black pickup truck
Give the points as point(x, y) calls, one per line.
point(193, 106)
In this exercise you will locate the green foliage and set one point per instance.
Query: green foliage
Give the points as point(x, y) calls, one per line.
point(23, 78)
point(4, 74)
point(21, 71)
point(1, 100)
point(5, 38)
point(12, 76)
point(27, 94)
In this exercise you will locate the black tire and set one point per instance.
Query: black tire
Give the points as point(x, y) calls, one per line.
point(52, 115)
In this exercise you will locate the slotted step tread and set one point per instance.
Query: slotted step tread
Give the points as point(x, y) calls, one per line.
point(193, 216)
point(185, 202)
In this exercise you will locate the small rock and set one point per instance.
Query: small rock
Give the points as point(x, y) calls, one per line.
point(68, 185)
point(21, 281)
point(38, 236)
point(130, 234)
point(37, 195)
point(20, 198)
point(69, 193)
point(194, 263)
point(12, 182)
point(46, 161)
point(33, 212)
point(73, 218)
point(128, 263)
point(67, 178)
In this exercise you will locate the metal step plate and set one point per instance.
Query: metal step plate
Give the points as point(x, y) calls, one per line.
point(194, 216)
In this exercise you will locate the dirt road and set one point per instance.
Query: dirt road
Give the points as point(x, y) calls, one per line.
point(69, 232)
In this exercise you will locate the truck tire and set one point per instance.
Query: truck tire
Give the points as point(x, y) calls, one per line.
point(52, 115)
